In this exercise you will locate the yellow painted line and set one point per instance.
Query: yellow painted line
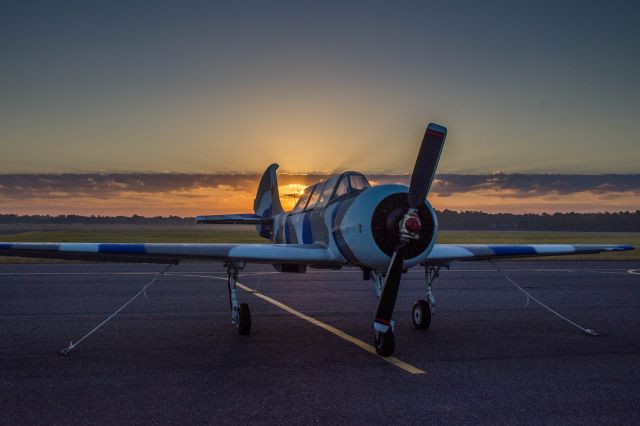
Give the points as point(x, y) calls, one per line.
point(341, 334)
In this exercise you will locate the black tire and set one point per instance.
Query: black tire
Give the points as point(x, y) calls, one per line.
point(385, 343)
point(244, 319)
point(421, 315)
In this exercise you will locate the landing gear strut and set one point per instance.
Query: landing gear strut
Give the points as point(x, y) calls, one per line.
point(377, 278)
point(240, 313)
point(384, 340)
point(423, 310)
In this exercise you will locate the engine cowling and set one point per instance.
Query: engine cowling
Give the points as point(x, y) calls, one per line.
point(369, 228)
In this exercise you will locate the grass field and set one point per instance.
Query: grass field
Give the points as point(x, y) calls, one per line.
point(199, 234)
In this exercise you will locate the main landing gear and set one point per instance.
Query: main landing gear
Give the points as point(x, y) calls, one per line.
point(240, 313)
point(421, 314)
point(423, 310)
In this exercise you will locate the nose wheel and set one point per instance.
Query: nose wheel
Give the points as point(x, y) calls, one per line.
point(421, 314)
point(385, 342)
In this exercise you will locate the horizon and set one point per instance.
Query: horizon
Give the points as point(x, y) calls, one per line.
point(461, 212)
point(192, 194)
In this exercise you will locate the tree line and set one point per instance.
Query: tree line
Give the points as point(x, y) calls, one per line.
point(447, 219)
point(604, 222)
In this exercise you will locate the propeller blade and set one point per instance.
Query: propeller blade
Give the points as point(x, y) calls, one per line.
point(426, 164)
point(423, 173)
point(387, 299)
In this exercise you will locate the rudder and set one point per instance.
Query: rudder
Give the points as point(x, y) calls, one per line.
point(267, 202)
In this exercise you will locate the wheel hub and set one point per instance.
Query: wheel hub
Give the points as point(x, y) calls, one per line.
point(417, 315)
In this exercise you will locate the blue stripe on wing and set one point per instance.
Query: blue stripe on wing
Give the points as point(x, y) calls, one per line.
point(122, 248)
point(512, 250)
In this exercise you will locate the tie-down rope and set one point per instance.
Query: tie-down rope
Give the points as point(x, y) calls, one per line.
point(530, 297)
point(72, 345)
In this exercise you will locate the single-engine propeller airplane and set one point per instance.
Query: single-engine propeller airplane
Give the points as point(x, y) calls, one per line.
point(342, 221)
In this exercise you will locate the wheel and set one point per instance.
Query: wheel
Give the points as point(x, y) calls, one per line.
point(421, 314)
point(244, 319)
point(385, 343)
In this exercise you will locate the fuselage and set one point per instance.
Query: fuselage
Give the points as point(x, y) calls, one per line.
point(355, 221)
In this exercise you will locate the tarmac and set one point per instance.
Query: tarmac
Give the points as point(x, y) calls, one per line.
point(491, 355)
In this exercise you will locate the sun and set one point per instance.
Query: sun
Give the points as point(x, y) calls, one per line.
point(290, 193)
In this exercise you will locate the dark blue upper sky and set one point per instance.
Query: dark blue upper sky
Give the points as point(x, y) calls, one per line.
point(207, 86)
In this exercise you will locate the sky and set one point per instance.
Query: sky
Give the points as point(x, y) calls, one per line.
point(169, 88)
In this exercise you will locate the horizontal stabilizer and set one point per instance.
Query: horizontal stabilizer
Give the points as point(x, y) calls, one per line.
point(241, 219)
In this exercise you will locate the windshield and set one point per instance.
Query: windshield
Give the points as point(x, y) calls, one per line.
point(327, 191)
point(358, 182)
point(302, 201)
point(315, 196)
point(343, 186)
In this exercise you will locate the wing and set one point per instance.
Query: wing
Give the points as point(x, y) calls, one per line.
point(443, 253)
point(174, 253)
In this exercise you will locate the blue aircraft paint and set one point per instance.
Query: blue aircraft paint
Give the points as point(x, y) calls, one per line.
point(122, 248)
point(342, 245)
point(307, 237)
point(6, 246)
point(280, 236)
point(512, 250)
point(336, 230)
point(263, 230)
point(334, 212)
point(286, 230)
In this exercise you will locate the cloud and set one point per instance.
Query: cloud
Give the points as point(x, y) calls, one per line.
point(108, 185)
point(518, 185)
point(101, 185)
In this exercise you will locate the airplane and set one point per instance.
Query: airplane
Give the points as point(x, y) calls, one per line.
point(341, 221)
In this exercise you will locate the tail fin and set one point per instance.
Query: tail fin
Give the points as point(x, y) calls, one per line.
point(267, 202)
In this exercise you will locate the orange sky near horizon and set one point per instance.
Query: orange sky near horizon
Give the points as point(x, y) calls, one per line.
point(225, 199)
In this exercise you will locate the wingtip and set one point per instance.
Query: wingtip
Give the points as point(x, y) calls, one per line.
point(621, 247)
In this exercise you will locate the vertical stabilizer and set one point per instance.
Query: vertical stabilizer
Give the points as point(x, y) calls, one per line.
point(267, 202)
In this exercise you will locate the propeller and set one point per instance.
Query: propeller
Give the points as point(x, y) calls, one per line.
point(409, 229)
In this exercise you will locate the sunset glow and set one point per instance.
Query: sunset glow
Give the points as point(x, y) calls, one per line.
point(191, 195)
